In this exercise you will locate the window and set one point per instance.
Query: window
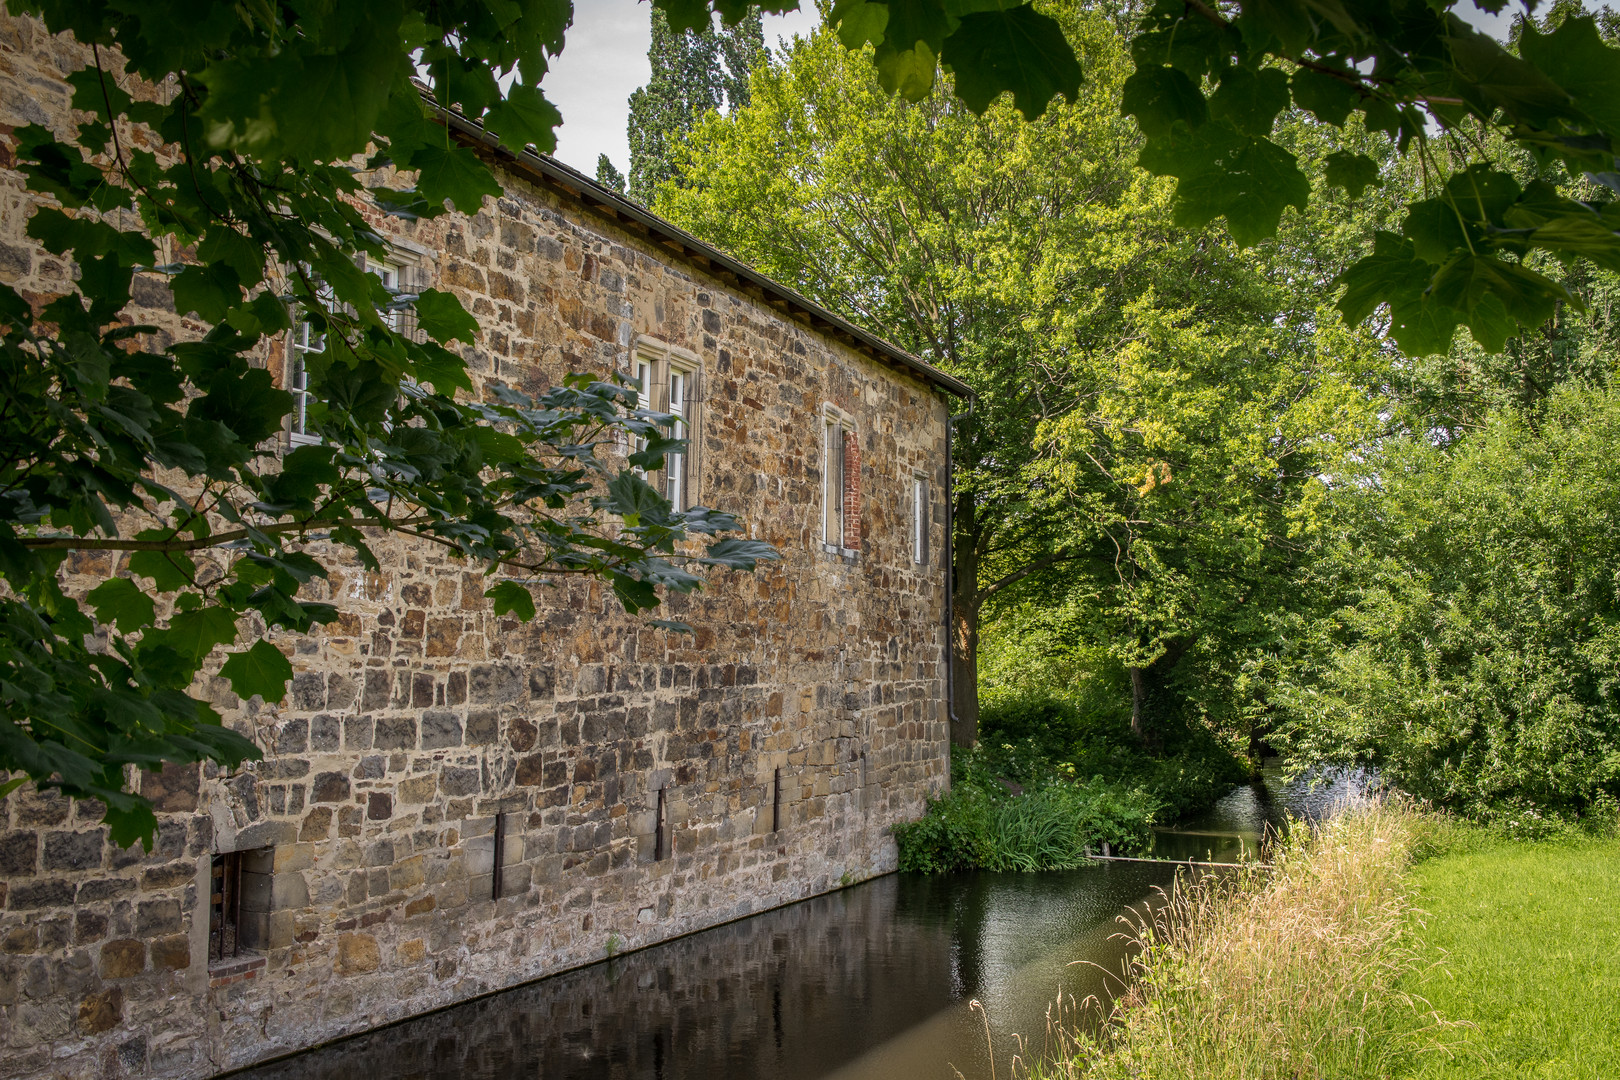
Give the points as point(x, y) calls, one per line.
point(307, 341)
point(919, 520)
point(840, 484)
point(668, 383)
point(225, 906)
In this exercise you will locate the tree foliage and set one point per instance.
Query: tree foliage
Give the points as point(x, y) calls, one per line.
point(1153, 405)
point(694, 72)
point(1214, 79)
point(223, 152)
point(1469, 645)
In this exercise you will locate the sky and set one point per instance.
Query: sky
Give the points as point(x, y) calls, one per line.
point(605, 59)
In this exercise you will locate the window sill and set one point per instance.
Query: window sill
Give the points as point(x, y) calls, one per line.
point(850, 554)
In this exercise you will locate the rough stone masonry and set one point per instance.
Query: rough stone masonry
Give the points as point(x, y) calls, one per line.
point(642, 784)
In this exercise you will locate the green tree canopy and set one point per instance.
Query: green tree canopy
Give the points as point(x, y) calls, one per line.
point(1469, 637)
point(1153, 404)
point(1213, 81)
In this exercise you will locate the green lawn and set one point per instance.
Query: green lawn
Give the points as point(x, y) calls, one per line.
point(1528, 936)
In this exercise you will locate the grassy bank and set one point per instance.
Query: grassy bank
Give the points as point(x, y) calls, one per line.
point(1295, 973)
point(1389, 945)
point(1527, 937)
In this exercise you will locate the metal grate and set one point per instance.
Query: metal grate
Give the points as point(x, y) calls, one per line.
point(500, 851)
point(225, 906)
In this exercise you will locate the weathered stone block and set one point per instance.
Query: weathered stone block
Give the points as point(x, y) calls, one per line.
point(170, 876)
point(74, 850)
point(101, 1012)
point(172, 953)
point(154, 917)
point(19, 854)
point(395, 733)
point(33, 895)
point(418, 789)
point(317, 824)
point(357, 731)
point(454, 781)
point(440, 729)
point(325, 733)
point(88, 927)
point(329, 787)
point(293, 738)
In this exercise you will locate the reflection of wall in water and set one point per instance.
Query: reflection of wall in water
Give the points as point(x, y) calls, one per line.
point(792, 993)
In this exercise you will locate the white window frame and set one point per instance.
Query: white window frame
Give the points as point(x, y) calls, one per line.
point(671, 381)
point(835, 425)
point(921, 525)
point(303, 342)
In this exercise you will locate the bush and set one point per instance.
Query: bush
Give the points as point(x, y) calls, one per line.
point(1186, 771)
point(1470, 646)
point(1042, 820)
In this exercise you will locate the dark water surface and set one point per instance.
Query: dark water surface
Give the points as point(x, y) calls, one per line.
point(877, 980)
point(872, 981)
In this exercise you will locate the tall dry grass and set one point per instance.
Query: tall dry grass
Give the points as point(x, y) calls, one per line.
point(1289, 974)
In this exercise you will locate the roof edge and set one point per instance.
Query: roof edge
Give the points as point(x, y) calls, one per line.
point(554, 174)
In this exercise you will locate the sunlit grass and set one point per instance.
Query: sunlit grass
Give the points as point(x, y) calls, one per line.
point(1528, 939)
point(1295, 974)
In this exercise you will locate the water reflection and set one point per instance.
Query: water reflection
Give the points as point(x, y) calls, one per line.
point(871, 981)
point(1235, 827)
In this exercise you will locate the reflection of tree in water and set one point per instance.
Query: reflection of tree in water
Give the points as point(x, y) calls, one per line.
point(792, 994)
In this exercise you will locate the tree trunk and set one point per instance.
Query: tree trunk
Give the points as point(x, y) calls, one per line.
point(965, 673)
point(965, 605)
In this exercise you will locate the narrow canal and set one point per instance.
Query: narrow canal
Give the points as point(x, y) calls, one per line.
point(873, 981)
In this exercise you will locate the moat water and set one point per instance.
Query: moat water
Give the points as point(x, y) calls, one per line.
point(905, 976)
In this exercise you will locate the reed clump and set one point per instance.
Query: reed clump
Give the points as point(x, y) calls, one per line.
point(1291, 973)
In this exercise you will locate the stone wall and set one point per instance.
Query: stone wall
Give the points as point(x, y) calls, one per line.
point(421, 724)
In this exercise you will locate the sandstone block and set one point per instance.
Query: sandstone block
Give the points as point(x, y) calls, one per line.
point(329, 787)
point(74, 850)
point(317, 824)
point(19, 854)
point(172, 953)
point(440, 729)
point(101, 1012)
point(357, 954)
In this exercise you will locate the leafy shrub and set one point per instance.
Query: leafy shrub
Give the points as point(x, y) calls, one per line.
point(1184, 772)
point(991, 822)
point(1470, 649)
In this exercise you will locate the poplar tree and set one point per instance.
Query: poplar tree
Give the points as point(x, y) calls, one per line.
point(694, 73)
point(608, 174)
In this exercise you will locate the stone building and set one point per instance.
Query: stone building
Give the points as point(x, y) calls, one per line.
point(450, 802)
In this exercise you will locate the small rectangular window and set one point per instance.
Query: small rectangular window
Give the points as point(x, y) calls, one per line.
point(670, 385)
point(225, 906)
point(832, 485)
point(919, 520)
point(675, 464)
point(307, 341)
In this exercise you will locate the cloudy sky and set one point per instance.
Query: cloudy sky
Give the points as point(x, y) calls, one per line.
point(605, 59)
